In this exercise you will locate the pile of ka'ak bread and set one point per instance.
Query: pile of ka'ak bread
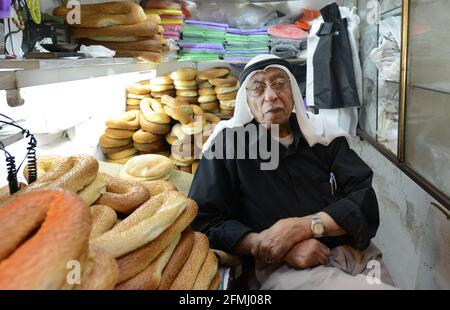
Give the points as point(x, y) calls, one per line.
point(121, 26)
point(171, 115)
point(77, 228)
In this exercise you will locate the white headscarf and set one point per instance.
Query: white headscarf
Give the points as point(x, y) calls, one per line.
point(314, 128)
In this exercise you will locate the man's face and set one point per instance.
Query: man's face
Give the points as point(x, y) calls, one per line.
point(270, 105)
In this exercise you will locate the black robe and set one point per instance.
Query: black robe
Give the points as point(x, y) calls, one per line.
point(236, 197)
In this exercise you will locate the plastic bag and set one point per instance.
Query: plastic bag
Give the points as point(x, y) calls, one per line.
point(236, 15)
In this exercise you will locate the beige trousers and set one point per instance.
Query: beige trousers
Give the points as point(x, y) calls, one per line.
point(347, 269)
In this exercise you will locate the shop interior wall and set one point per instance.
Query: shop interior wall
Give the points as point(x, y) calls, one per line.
point(414, 236)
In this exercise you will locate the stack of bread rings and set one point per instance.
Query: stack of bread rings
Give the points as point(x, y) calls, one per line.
point(217, 85)
point(136, 92)
point(176, 115)
point(117, 142)
point(185, 85)
point(129, 235)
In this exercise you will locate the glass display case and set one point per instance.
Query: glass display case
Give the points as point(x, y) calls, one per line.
point(405, 47)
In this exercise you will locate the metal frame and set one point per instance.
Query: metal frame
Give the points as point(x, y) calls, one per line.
point(399, 159)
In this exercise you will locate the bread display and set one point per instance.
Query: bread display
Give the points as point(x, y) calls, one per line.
point(123, 234)
point(121, 26)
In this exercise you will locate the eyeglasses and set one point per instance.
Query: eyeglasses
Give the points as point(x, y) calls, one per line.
point(258, 89)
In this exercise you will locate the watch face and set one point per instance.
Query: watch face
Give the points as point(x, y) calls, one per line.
point(318, 229)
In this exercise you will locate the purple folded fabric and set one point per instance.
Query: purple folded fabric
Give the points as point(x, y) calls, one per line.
point(201, 45)
point(237, 58)
point(211, 50)
point(204, 23)
point(247, 31)
point(248, 52)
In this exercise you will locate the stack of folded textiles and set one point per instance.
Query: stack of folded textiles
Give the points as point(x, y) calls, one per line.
point(171, 16)
point(202, 40)
point(287, 40)
point(246, 44)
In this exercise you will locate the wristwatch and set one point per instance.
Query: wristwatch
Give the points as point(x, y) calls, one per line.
point(317, 227)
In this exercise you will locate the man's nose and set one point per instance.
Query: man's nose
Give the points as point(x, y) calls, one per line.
point(270, 94)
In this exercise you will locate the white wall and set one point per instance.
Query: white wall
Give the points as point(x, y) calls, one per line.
point(414, 236)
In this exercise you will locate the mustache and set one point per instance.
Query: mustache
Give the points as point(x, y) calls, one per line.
point(269, 106)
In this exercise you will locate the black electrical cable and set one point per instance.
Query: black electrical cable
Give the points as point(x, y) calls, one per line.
point(11, 170)
point(31, 149)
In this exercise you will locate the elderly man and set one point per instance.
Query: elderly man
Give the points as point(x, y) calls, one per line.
point(308, 222)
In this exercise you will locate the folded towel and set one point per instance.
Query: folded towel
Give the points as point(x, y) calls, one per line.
point(201, 45)
point(285, 50)
point(287, 31)
point(172, 27)
point(205, 23)
point(164, 12)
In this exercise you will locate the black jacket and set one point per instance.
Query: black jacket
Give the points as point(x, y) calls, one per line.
point(236, 197)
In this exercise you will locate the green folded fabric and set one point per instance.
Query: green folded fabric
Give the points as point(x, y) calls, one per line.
point(202, 40)
point(247, 48)
point(252, 37)
point(198, 57)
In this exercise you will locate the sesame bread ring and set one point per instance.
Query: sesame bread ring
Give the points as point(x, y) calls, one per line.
point(122, 160)
point(226, 112)
point(133, 108)
point(111, 150)
point(119, 133)
point(184, 74)
point(196, 109)
point(132, 101)
point(140, 97)
point(149, 147)
point(159, 129)
point(102, 15)
point(153, 111)
point(206, 91)
point(177, 88)
point(213, 73)
point(129, 120)
point(185, 279)
point(212, 107)
point(195, 166)
point(123, 196)
point(157, 187)
point(45, 164)
point(227, 104)
point(187, 100)
point(169, 92)
point(187, 169)
point(204, 84)
point(150, 277)
point(215, 282)
point(170, 138)
point(190, 84)
point(160, 88)
point(142, 136)
point(181, 112)
point(228, 81)
point(177, 132)
point(136, 261)
point(226, 89)
point(207, 272)
point(194, 128)
point(102, 271)
point(227, 96)
point(211, 118)
point(123, 154)
point(139, 88)
point(187, 93)
point(60, 222)
point(109, 142)
point(182, 162)
point(207, 98)
point(144, 225)
point(103, 219)
point(161, 80)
